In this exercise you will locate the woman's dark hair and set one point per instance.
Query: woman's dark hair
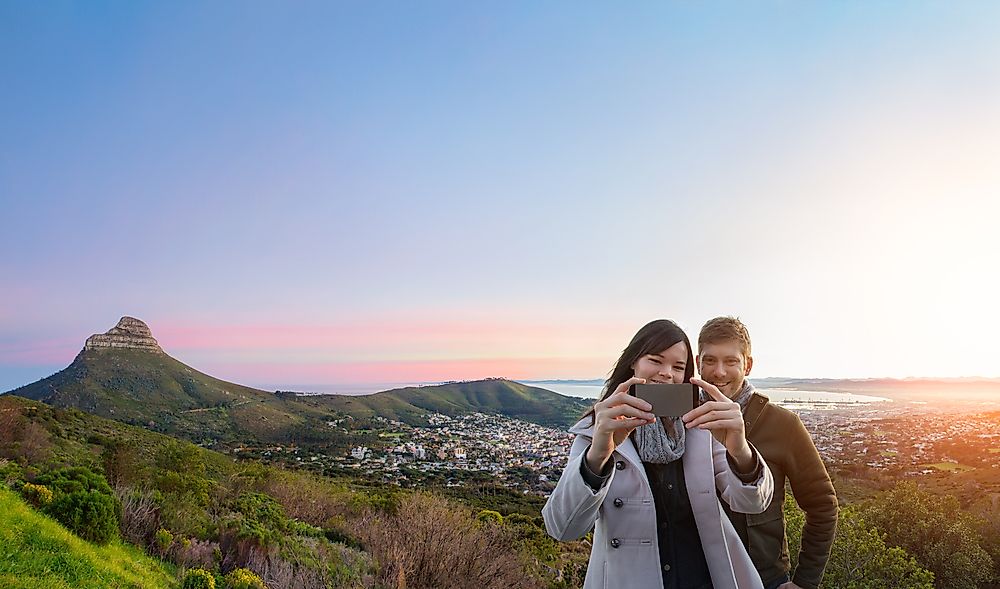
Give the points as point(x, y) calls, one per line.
point(653, 338)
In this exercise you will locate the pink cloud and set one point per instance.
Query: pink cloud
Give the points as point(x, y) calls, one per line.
point(410, 371)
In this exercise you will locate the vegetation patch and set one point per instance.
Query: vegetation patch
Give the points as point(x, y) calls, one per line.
point(36, 551)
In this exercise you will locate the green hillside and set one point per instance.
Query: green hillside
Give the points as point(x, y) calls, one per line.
point(35, 551)
point(218, 513)
point(497, 396)
point(153, 390)
point(156, 391)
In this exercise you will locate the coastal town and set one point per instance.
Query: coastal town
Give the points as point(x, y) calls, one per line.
point(858, 440)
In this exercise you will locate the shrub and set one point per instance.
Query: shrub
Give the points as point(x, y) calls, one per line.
point(91, 515)
point(11, 474)
point(198, 579)
point(305, 498)
point(860, 558)
point(488, 516)
point(37, 495)
point(71, 480)
point(140, 516)
point(83, 502)
point(162, 540)
point(197, 553)
point(182, 472)
point(935, 530)
point(244, 579)
point(259, 519)
point(380, 501)
point(408, 547)
point(120, 462)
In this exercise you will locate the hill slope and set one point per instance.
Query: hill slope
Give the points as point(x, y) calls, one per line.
point(35, 551)
point(156, 391)
point(497, 396)
point(124, 375)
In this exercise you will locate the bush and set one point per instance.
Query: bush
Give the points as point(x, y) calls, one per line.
point(11, 474)
point(380, 501)
point(140, 516)
point(120, 462)
point(83, 502)
point(488, 516)
point(37, 495)
point(91, 515)
point(860, 558)
point(305, 498)
point(260, 519)
point(72, 480)
point(198, 579)
point(935, 530)
point(163, 539)
point(244, 579)
point(430, 542)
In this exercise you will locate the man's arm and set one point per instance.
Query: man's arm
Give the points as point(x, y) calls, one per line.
point(813, 491)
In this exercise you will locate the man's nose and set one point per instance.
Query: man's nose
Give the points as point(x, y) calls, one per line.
point(719, 370)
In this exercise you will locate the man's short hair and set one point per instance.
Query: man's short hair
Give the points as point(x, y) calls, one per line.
point(724, 329)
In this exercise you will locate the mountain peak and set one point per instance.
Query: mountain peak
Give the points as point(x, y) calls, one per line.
point(130, 333)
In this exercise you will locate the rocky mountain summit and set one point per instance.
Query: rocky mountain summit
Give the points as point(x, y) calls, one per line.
point(130, 333)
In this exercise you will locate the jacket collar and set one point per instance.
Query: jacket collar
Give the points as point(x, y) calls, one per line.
point(751, 415)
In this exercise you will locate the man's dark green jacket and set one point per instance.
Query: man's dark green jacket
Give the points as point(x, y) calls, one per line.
point(790, 454)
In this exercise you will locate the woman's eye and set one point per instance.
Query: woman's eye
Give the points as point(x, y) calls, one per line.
point(654, 360)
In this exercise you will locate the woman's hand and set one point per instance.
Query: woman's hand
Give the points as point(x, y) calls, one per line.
point(723, 417)
point(614, 419)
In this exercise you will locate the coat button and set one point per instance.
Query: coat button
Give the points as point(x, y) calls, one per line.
point(670, 486)
point(620, 465)
point(615, 542)
point(618, 502)
point(666, 567)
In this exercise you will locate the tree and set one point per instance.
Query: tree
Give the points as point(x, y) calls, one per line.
point(935, 530)
point(860, 558)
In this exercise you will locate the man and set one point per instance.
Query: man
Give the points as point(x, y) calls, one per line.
point(724, 359)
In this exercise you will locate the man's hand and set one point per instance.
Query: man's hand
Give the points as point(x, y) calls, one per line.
point(724, 418)
point(789, 585)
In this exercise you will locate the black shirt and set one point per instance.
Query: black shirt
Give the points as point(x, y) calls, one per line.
point(682, 559)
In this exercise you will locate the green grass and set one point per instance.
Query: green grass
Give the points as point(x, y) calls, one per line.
point(35, 551)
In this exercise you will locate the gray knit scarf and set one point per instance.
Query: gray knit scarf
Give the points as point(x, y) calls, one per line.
point(663, 441)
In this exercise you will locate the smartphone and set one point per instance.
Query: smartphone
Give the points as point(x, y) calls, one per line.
point(668, 400)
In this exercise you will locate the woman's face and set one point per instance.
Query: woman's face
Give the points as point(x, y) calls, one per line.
point(666, 366)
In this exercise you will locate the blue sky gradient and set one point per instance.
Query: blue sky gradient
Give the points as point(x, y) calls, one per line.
point(829, 172)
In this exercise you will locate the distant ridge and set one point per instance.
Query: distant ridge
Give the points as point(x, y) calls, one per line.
point(125, 375)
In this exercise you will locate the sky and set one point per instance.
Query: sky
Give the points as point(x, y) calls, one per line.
point(341, 192)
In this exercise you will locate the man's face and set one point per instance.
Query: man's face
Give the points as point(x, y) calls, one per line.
point(724, 365)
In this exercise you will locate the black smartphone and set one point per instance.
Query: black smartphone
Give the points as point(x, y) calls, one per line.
point(668, 400)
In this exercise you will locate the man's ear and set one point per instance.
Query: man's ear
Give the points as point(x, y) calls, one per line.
point(697, 363)
point(749, 366)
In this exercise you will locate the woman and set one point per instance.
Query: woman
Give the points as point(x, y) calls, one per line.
point(653, 486)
